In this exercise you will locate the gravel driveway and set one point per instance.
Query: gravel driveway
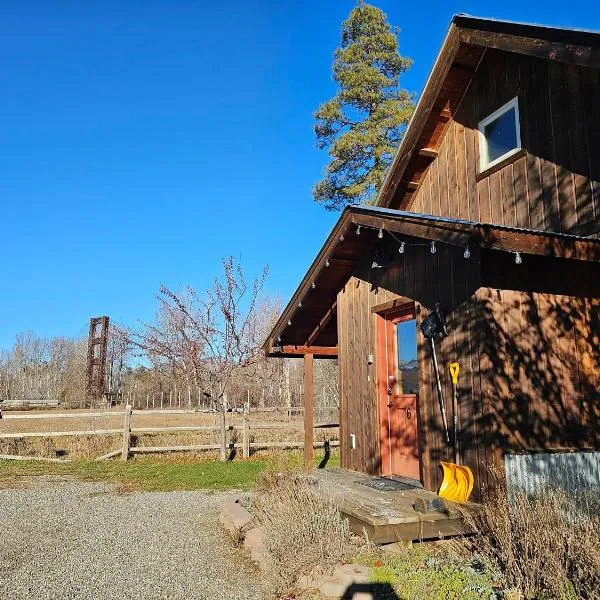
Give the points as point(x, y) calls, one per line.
point(64, 539)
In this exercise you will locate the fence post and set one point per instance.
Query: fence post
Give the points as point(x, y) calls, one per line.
point(245, 432)
point(223, 430)
point(126, 433)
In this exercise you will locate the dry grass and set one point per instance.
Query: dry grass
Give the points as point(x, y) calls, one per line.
point(545, 547)
point(304, 533)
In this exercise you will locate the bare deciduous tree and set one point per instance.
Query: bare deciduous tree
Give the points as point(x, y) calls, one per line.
point(204, 340)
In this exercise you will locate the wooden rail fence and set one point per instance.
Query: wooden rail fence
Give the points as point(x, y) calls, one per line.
point(127, 430)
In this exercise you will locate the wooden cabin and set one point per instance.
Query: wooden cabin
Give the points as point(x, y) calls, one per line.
point(491, 209)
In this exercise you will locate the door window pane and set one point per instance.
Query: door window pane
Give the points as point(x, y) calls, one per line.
point(408, 366)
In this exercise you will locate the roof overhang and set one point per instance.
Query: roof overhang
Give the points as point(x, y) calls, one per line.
point(308, 324)
point(457, 62)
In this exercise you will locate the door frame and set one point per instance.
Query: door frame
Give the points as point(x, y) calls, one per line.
point(384, 318)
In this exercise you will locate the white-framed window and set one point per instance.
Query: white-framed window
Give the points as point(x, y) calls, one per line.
point(499, 135)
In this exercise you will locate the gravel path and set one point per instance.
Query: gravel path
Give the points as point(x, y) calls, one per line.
point(63, 539)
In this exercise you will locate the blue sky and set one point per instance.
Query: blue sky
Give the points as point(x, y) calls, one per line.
point(143, 141)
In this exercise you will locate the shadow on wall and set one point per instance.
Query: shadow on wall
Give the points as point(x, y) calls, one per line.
point(530, 366)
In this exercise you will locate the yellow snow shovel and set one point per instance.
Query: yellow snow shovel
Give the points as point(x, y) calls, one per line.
point(457, 484)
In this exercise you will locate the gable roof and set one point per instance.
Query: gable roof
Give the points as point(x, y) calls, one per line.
point(457, 62)
point(308, 323)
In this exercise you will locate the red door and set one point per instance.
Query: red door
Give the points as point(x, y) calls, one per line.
point(398, 370)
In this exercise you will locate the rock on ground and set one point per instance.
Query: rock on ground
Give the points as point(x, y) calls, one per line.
point(72, 540)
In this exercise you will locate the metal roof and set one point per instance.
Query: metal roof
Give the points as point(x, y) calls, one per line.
point(452, 221)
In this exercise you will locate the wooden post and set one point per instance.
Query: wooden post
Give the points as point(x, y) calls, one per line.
point(223, 430)
point(162, 399)
point(308, 410)
point(126, 432)
point(245, 432)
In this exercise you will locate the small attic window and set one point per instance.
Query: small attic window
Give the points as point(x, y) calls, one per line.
point(499, 135)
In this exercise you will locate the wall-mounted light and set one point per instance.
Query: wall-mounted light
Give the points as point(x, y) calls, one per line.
point(433, 248)
point(518, 259)
point(467, 252)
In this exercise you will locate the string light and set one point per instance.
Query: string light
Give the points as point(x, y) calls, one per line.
point(358, 230)
point(279, 340)
point(467, 252)
point(342, 237)
point(300, 304)
point(518, 259)
point(433, 248)
point(313, 286)
point(401, 248)
point(327, 262)
point(380, 234)
point(289, 322)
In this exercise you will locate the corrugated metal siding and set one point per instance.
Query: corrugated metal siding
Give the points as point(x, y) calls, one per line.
point(576, 473)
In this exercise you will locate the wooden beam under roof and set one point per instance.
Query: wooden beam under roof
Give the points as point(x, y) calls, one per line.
point(428, 152)
point(322, 323)
point(317, 351)
point(585, 56)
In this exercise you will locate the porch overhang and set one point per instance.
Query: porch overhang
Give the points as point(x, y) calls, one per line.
point(308, 325)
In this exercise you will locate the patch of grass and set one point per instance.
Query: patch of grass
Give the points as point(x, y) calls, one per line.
point(147, 474)
point(163, 473)
point(419, 574)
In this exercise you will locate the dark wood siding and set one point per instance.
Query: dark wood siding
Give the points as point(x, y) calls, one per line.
point(529, 357)
point(426, 278)
point(539, 366)
point(555, 185)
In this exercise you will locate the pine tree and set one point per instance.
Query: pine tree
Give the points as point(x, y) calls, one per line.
point(363, 123)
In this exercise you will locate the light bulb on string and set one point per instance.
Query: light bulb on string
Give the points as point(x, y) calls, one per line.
point(300, 304)
point(401, 248)
point(358, 230)
point(518, 258)
point(433, 248)
point(289, 322)
point(326, 262)
point(313, 286)
point(342, 237)
point(467, 252)
point(380, 234)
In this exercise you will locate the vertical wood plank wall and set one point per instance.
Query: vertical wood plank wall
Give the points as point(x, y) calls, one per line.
point(426, 278)
point(529, 363)
point(539, 370)
point(556, 185)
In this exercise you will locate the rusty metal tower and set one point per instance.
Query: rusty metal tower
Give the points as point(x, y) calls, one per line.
point(96, 357)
